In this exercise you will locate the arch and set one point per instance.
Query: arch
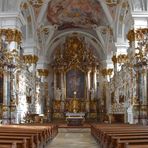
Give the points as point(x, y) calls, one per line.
point(121, 25)
point(31, 13)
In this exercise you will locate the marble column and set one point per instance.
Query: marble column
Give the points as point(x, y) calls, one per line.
point(5, 97)
point(44, 102)
point(12, 40)
point(95, 83)
point(144, 73)
point(62, 84)
point(62, 91)
point(88, 84)
point(31, 61)
point(64, 94)
point(88, 91)
point(55, 84)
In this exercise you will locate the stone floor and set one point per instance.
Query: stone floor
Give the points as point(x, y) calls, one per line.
point(73, 140)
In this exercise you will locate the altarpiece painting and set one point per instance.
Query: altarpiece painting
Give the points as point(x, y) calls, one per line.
point(75, 82)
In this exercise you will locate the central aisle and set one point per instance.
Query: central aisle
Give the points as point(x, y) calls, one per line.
point(73, 140)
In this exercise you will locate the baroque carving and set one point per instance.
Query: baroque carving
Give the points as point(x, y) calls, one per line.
point(30, 59)
point(106, 72)
point(117, 108)
point(11, 35)
point(36, 3)
point(43, 72)
point(74, 55)
point(112, 2)
point(136, 35)
point(114, 59)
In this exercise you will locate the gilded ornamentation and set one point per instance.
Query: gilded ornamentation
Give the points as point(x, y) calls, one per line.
point(122, 58)
point(4, 108)
point(135, 100)
point(11, 35)
point(43, 72)
point(136, 35)
point(24, 5)
point(30, 59)
point(106, 72)
point(112, 2)
point(74, 105)
point(36, 3)
point(57, 105)
point(117, 108)
point(75, 55)
point(114, 59)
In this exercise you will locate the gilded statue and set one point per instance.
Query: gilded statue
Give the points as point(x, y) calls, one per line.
point(75, 104)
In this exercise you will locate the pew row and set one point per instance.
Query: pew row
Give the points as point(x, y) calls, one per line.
point(120, 135)
point(26, 136)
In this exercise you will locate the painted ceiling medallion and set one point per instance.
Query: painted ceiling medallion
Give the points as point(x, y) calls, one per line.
point(75, 13)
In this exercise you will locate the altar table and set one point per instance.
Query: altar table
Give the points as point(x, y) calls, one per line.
point(75, 119)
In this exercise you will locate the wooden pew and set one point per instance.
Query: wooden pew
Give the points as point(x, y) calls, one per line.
point(120, 135)
point(131, 142)
point(28, 140)
point(31, 136)
point(6, 146)
point(14, 143)
point(136, 146)
point(37, 135)
point(38, 138)
point(108, 139)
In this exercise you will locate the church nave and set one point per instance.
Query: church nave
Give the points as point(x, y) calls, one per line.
point(73, 73)
point(73, 140)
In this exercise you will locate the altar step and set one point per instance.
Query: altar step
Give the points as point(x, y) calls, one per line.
point(64, 125)
point(74, 130)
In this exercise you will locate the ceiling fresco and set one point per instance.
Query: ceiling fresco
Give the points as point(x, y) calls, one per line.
point(75, 13)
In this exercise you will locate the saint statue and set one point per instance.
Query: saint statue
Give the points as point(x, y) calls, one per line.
point(75, 105)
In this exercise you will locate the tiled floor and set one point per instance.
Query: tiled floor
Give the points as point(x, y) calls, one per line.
point(73, 140)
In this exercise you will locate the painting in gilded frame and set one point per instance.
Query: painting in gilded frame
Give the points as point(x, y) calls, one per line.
point(75, 81)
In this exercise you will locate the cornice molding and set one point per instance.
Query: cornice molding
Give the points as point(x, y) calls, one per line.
point(14, 15)
point(140, 14)
point(122, 45)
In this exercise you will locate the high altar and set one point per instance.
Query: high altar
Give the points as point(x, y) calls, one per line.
point(75, 70)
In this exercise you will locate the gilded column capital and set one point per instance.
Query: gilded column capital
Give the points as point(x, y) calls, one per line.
point(135, 35)
point(109, 71)
point(11, 35)
point(30, 59)
point(106, 71)
point(114, 59)
point(122, 58)
point(43, 72)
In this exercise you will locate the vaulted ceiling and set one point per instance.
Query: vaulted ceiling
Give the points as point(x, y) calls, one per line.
point(95, 20)
point(75, 13)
